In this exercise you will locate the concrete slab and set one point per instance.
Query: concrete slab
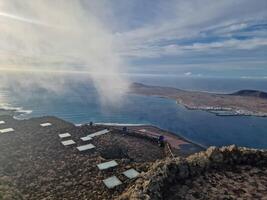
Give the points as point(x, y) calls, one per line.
point(99, 133)
point(68, 142)
point(46, 124)
point(112, 182)
point(6, 130)
point(131, 173)
point(107, 165)
point(87, 138)
point(85, 147)
point(2, 122)
point(64, 135)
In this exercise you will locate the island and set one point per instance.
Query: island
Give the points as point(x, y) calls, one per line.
point(243, 102)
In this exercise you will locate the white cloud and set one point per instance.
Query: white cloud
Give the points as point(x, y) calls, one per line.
point(185, 20)
point(59, 35)
point(188, 73)
point(97, 36)
point(232, 43)
point(22, 19)
point(143, 51)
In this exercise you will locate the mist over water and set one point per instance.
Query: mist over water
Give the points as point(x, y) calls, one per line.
point(49, 38)
point(81, 103)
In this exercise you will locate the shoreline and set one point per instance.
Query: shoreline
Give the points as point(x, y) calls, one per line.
point(118, 124)
point(71, 174)
point(177, 135)
point(223, 112)
point(130, 126)
point(240, 103)
point(17, 114)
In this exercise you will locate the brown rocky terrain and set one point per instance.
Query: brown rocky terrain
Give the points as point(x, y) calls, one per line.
point(240, 103)
point(240, 182)
point(8, 191)
point(35, 162)
point(35, 165)
point(179, 145)
point(217, 173)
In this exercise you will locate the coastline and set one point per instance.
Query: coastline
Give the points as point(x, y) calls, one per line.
point(26, 150)
point(222, 111)
point(151, 126)
point(241, 103)
point(118, 124)
point(72, 174)
point(16, 114)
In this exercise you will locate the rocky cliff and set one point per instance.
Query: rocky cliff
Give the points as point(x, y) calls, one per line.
point(205, 175)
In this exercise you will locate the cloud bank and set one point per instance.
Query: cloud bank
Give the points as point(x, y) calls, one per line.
point(58, 36)
point(185, 32)
point(106, 38)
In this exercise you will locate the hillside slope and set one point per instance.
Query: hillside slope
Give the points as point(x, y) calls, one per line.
point(244, 102)
point(217, 173)
point(251, 93)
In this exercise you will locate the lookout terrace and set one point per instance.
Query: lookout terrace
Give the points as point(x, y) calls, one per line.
point(48, 158)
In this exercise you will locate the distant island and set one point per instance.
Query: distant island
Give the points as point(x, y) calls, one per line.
point(240, 103)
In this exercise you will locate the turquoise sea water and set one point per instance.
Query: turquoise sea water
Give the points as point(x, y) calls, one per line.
point(80, 104)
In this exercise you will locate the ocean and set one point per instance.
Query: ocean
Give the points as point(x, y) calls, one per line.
point(81, 104)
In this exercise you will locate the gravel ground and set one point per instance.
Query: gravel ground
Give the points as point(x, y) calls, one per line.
point(243, 182)
point(40, 167)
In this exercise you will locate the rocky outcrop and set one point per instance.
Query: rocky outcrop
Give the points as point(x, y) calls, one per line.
point(156, 182)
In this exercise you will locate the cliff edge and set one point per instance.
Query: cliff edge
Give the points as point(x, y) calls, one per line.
point(217, 173)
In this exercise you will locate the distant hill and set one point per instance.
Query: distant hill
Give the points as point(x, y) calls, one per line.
point(243, 102)
point(251, 93)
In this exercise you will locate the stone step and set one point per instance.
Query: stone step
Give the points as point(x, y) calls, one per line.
point(45, 124)
point(107, 165)
point(64, 135)
point(112, 182)
point(68, 142)
point(85, 147)
point(6, 130)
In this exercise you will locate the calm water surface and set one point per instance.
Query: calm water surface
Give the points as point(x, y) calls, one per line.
point(80, 104)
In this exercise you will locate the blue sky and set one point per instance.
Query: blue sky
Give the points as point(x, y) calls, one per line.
point(183, 37)
point(215, 38)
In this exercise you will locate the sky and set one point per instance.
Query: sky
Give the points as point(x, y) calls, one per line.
point(183, 37)
point(194, 38)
